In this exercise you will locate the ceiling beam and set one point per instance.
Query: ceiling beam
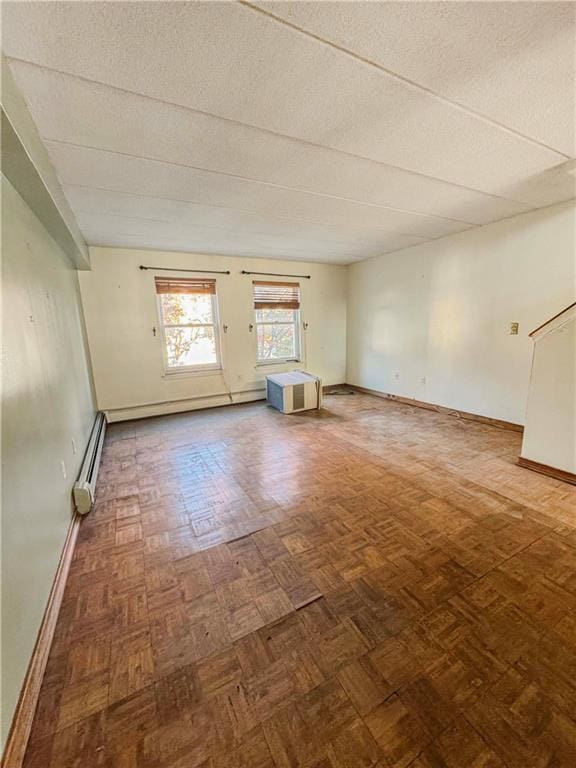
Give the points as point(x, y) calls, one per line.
point(26, 165)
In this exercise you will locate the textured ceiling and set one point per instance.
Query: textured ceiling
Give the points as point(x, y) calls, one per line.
point(325, 131)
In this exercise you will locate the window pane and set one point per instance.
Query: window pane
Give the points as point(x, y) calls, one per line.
point(275, 315)
point(190, 346)
point(184, 308)
point(276, 341)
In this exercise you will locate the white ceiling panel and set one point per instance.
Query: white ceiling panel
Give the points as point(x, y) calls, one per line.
point(511, 61)
point(204, 232)
point(228, 246)
point(130, 232)
point(324, 131)
point(121, 173)
point(552, 186)
point(234, 62)
point(69, 109)
point(189, 215)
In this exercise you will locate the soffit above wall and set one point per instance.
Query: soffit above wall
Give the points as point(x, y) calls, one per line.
point(318, 131)
point(26, 165)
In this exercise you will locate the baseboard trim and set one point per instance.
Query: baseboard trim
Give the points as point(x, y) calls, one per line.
point(201, 403)
point(545, 469)
point(23, 716)
point(146, 410)
point(499, 423)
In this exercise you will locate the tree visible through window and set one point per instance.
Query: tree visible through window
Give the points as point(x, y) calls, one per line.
point(277, 308)
point(188, 313)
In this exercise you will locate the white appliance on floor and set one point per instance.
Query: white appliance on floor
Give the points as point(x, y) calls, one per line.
point(294, 391)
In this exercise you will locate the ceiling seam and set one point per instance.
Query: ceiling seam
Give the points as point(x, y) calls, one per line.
point(222, 207)
point(192, 249)
point(354, 257)
point(384, 232)
point(404, 80)
point(250, 255)
point(480, 226)
point(367, 204)
point(268, 131)
point(343, 240)
point(328, 243)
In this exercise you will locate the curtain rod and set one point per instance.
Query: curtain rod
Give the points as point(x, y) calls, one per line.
point(200, 271)
point(273, 274)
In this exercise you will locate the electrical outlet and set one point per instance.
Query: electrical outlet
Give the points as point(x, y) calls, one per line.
point(514, 329)
point(396, 375)
point(423, 380)
point(63, 468)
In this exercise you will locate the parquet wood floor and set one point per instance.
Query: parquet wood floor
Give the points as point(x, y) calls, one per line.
point(372, 585)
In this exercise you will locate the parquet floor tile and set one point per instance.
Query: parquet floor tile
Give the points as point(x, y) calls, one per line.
point(371, 586)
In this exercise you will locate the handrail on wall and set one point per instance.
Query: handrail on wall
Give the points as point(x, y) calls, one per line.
point(557, 315)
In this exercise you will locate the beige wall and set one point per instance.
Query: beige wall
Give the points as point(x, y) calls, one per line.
point(432, 322)
point(46, 405)
point(120, 308)
point(550, 432)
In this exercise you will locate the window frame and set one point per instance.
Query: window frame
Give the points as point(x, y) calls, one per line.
point(297, 340)
point(190, 369)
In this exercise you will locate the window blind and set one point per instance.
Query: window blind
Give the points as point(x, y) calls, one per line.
point(276, 295)
point(184, 285)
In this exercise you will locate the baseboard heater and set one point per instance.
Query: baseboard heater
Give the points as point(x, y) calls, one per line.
point(85, 486)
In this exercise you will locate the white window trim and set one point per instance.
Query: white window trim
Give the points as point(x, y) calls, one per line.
point(190, 369)
point(280, 360)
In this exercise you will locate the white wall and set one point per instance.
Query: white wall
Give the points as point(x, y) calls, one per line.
point(550, 432)
point(46, 404)
point(120, 308)
point(432, 322)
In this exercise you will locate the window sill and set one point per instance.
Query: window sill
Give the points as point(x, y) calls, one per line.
point(269, 363)
point(192, 373)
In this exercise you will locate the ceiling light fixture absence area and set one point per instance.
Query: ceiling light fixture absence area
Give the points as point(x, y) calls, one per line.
point(330, 131)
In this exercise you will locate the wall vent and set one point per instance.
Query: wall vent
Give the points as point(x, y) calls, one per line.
point(298, 397)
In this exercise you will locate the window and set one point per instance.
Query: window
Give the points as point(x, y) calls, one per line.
point(277, 307)
point(188, 320)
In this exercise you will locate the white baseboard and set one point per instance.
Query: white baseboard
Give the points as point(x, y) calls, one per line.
point(146, 410)
point(181, 406)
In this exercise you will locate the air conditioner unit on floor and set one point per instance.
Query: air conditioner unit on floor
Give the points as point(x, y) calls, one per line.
point(293, 392)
